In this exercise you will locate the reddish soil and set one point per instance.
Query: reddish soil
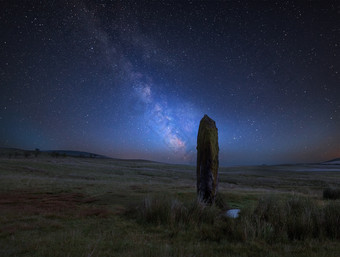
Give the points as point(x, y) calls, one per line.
point(59, 204)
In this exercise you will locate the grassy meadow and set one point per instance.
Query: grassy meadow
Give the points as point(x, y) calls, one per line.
point(68, 206)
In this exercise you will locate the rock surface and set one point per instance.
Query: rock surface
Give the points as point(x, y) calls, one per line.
point(207, 161)
point(233, 213)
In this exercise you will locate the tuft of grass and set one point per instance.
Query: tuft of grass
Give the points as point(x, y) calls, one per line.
point(163, 210)
point(293, 219)
point(332, 220)
point(331, 193)
point(271, 220)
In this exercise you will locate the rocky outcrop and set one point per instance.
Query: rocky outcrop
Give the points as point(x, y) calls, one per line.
point(207, 161)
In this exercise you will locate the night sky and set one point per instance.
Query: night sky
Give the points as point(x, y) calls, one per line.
point(132, 79)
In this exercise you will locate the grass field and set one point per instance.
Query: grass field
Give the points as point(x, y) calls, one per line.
point(69, 206)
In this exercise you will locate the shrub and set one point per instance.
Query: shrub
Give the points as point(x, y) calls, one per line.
point(331, 193)
point(36, 152)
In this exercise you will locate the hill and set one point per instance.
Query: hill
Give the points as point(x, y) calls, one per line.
point(76, 154)
point(16, 152)
point(333, 162)
point(19, 153)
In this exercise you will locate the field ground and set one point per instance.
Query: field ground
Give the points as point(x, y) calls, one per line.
point(78, 207)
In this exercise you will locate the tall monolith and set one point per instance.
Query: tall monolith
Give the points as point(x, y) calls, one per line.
point(207, 161)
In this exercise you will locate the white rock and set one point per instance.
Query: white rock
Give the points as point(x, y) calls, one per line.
point(233, 213)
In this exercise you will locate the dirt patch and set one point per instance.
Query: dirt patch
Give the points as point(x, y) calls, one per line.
point(50, 204)
point(136, 187)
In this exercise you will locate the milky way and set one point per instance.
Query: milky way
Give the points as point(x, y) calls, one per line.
point(174, 126)
point(132, 79)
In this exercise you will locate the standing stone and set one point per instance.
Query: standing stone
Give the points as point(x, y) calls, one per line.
point(207, 161)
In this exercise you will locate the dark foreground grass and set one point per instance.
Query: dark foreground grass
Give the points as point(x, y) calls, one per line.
point(331, 193)
point(87, 207)
point(165, 226)
point(273, 219)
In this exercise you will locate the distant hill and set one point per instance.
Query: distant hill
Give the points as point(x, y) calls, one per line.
point(16, 152)
point(75, 154)
point(20, 153)
point(332, 162)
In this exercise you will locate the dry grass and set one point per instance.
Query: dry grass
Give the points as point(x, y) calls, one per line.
point(90, 207)
point(273, 219)
point(331, 193)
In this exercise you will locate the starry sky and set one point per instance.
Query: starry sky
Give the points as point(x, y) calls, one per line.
point(132, 79)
